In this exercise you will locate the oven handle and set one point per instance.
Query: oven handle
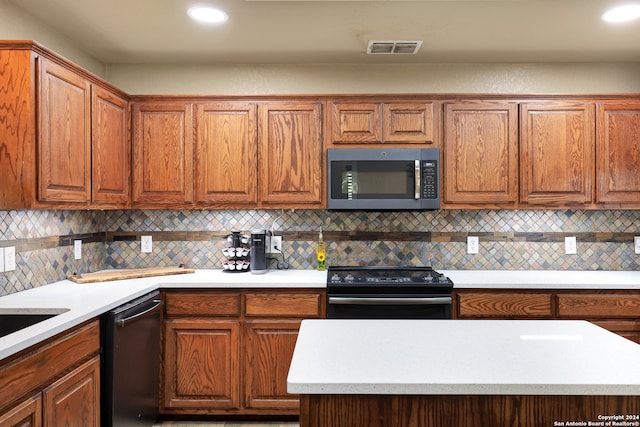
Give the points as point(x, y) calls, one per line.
point(389, 301)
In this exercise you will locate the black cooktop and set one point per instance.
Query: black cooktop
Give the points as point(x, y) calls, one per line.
point(383, 278)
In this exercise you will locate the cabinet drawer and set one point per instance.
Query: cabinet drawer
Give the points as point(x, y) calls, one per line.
point(598, 306)
point(504, 305)
point(202, 304)
point(283, 304)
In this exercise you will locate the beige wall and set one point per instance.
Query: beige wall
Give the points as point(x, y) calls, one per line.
point(16, 24)
point(330, 78)
point(350, 78)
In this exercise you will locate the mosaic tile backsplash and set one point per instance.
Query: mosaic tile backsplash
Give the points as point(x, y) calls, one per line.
point(509, 239)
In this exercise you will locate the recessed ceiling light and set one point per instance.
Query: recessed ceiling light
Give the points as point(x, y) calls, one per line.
point(623, 13)
point(208, 15)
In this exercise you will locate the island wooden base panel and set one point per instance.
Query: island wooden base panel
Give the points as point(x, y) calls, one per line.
point(465, 411)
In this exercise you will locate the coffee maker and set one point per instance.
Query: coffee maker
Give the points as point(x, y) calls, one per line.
point(258, 251)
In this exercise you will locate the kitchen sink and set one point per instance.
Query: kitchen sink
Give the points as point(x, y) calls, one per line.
point(13, 320)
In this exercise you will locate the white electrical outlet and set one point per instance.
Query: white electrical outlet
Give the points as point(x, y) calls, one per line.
point(77, 249)
point(275, 245)
point(147, 244)
point(570, 246)
point(636, 244)
point(10, 258)
point(1, 260)
point(473, 244)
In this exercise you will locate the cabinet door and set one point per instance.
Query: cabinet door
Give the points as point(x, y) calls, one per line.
point(64, 135)
point(618, 152)
point(202, 364)
point(162, 154)
point(74, 400)
point(269, 348)
point(481, 153)
point(354, 123)
point(376, 122)
point(557, 153)
point(290, 156)
point(226, 159)
point(409, 123)
point(17, 131)
point(25, 414)
point(111, 149)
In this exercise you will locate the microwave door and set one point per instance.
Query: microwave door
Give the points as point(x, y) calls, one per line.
point(380, 180)
point(392, 179)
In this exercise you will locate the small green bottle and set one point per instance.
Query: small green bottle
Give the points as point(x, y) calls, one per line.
point(321, 253)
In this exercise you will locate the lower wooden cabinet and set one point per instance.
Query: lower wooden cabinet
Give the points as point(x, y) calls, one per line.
point(229, 352)
point(74, 400)
point(25, 414)
point(56, 383)
point(269, 346)
point(615, 310)
point(201, 364)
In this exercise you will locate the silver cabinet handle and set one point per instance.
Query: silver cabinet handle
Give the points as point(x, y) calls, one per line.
point(389, 301)
point(418, 177)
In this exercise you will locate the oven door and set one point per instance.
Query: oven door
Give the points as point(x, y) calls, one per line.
point(388, 306)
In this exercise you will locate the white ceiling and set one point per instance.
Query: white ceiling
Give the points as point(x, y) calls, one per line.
point(322, 31)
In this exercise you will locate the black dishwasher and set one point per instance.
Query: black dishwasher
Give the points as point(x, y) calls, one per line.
point(130, 379)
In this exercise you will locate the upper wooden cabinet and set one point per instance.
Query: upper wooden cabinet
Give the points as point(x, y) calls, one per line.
point(57, 149)
point(572, 154)
point(480, 153)
point(618, 152)
point(69, 140)
point(111, 149)
point(64, 137)
point(356, 123)
point(226, 155)
point(557, 148)
point(290, 156)
point(244, 154)
point(162, 154)
point(378, 122)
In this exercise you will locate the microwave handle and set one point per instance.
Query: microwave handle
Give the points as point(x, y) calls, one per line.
point(418, 176)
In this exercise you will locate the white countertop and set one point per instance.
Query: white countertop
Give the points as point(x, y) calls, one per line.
point(533, 357)
point(538, 279)
point(89, 300)
point(86, 301)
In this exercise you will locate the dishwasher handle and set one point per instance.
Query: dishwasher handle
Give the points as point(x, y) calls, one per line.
point(123, 322)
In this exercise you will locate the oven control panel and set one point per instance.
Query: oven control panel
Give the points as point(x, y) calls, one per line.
point(364, 275)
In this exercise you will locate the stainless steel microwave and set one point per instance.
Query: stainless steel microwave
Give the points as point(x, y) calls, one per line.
point(383, 179)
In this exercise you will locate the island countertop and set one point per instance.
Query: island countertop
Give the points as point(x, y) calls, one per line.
point(470, 357)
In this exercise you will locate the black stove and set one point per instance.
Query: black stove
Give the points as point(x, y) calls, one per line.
point(378, 292)
point(393, 279)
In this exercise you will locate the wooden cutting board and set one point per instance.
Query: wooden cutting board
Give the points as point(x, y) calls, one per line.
point(130, 273)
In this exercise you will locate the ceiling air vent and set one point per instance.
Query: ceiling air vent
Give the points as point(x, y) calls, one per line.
point(391, 47)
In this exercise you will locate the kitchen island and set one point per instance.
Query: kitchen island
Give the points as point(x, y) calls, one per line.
point(418, 373)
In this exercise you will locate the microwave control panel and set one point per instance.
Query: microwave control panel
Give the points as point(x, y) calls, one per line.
point(429, 179)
